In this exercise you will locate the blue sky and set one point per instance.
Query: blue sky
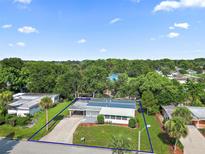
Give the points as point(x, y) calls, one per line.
point(100, 29)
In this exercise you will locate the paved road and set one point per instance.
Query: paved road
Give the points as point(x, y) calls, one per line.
point(63, 131)
point(194, 143)
point(24, 147)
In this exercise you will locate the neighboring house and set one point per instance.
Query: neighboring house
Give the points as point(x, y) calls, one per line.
point(198, 114)
point(114, 111)
point(192, 72)
point(181, 79)
point(28, 103)
point(177, 76)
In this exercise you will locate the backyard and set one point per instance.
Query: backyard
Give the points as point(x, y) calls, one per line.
point(101, 135)
point(25, 132)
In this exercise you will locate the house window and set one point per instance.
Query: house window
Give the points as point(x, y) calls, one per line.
point(107, 117)
point(118, 117)
point(124, 118)
point(112, 117)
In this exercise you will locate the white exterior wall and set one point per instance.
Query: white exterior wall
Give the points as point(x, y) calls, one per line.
point(19, 112)
point(115, 121)
point(55, 99)
point(92, 113)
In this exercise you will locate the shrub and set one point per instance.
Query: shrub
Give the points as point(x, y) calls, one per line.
point(2, 120)
point(21, 121)
point(132, 123)
point(12, 121)
point(100, 119)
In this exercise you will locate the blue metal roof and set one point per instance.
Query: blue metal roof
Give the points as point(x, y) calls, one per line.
point(113, 103)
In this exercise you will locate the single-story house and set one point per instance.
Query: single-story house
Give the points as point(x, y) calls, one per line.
point(198, 114)
point(114, 111)
point(28, 103)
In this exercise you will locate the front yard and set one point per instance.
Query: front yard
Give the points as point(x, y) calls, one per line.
point(101, 135)
point(25, 132)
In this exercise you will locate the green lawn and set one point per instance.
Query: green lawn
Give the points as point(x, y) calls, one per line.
point(101, 135)
point(23, 132)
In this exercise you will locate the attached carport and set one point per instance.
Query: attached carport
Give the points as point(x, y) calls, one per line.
point(77, 112)
point(79, 108)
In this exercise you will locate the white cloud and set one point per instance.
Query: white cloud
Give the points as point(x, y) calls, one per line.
point(168, 5)
point(103, 50)
point(7, 26)
point(171, 27)
point(28, 29)
point(173, 35)
point(20, 44)
point(23, 1)
point(81, 41)
point(115, 20)
point(182, 25)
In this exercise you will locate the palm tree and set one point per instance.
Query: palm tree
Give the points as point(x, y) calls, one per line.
point(183, 113)
point(5, 99)
point(45, 104)
point(119, 143)
point(176, 129)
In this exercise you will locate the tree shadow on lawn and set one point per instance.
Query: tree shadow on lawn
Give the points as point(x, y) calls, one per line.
point(164, 137)
point(7, 144)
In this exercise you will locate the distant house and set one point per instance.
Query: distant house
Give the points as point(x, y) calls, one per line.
point(192, 72)
point(114, 111)
point(198, 114)
point(28, 103)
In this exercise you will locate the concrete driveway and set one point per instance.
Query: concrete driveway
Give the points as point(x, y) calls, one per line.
point(63, 131)
point(194, 143)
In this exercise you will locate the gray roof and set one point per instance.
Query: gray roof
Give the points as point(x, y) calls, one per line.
point(197, 112)
point(169, 109)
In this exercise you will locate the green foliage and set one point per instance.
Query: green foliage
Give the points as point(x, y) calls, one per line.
point(149, 102)
point(132, 123)
point(46, 102)
point(5, 98)
point(183, 113)
point(182, 71)
point(22, 121)
point(176, 128)
point(2, 119)
point(89, 77)
point(11, 120)
point(94, 79)
point(119, 143)
point(100, 119)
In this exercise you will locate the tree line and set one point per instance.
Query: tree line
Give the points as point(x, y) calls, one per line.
point(90, 78)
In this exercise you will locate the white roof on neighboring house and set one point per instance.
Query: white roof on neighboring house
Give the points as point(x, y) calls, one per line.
point(28, 100)
point(198, 112)
point(118, 111)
